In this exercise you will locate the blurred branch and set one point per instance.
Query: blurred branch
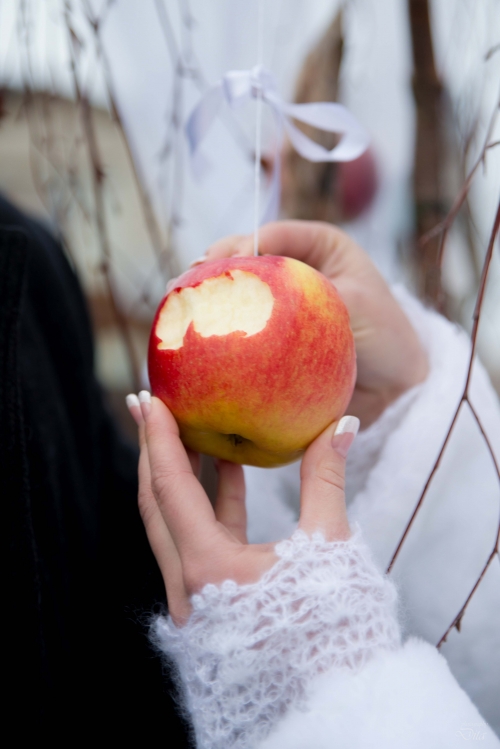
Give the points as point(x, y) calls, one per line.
point(457, 621)
point(430, 153)
point(163, 251)
point(98, 176)
point(492, 51)
point(311, 191)
point(36, 107)
point(187, 66)
point(171, 140)
point(443, 227)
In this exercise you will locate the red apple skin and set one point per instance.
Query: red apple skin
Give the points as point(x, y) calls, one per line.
point(260, 399)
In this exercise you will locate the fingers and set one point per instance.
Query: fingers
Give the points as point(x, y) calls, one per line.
point(318, 244)
point(322, 496)
point(157, 532)
point(236, 244)
point(161, 543)
point(312, 242)
point(134, 407)
point(183, 503)
point(230, 507)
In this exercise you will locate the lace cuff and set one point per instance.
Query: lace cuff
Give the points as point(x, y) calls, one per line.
point(248, 653)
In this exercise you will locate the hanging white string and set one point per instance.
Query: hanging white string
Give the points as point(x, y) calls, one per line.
point(258, 129)
point(239, 86)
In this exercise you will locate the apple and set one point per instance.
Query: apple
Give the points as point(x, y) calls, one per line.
point(254, 357)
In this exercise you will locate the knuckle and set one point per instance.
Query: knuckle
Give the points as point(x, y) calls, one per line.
point(164, 480)
point(146, 509)
point(331, 476)
point(160, 482)
point(231, 498)
point(233, 525)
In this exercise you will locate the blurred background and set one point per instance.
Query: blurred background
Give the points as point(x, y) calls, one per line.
point(94, 96)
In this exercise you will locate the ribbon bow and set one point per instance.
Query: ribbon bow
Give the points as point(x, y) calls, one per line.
point(239, 86)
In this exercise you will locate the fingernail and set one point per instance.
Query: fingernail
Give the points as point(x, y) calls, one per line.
point(134, 407)
point(145, 401)
point(170, 285)
point(344, 435)
point(198, 261)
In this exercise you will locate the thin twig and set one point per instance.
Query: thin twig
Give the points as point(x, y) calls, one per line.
point(425, 489)
point(485, 437)
point(100, 211)
point(40, 140)
point(480, 295)
point(163, 251)
point(457, 621)
point(444, 226)
point(492, 51)
point(464, 397)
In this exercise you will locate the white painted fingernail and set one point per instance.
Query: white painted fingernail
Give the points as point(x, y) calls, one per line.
point(132, 400)
point(145, 401)
point(345, 433)
point(347, 424)
point(134, 407)
point(198, 261)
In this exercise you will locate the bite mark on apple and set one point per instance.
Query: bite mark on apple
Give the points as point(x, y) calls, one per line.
point(234, 301)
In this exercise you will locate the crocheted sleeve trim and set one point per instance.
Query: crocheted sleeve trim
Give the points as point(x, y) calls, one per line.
point(249, 653)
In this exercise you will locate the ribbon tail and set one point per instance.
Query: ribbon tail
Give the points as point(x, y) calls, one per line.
point(331, 117)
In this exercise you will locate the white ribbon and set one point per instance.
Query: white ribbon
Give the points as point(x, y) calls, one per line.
point(239, 86)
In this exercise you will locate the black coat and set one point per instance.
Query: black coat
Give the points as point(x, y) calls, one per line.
point(80, 580)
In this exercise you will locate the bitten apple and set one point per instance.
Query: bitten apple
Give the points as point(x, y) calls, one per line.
point(254, 356)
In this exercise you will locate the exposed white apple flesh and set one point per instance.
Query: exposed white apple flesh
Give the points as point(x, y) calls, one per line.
point(235, 301)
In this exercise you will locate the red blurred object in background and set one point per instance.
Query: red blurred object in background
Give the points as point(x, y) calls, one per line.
point(357, 185)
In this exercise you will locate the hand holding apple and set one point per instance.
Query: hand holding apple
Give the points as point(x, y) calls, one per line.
point(254, 357)
point(195, 544)
point(390, 358)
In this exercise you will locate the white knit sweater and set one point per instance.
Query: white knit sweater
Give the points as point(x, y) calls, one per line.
point(310, 657)
point(249, 653)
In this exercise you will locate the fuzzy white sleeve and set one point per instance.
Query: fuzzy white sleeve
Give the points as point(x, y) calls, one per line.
point(249, 654)
point(404, 699)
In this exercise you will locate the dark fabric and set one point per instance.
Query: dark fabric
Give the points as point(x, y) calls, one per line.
point(80, 580)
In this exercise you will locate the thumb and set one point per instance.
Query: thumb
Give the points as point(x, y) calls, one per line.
point(322, 474)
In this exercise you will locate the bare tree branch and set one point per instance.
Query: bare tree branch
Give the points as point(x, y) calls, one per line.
point(98, 175)
point(465, 394)
point(430, 151)
point(444, 226)
point(164, 252)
